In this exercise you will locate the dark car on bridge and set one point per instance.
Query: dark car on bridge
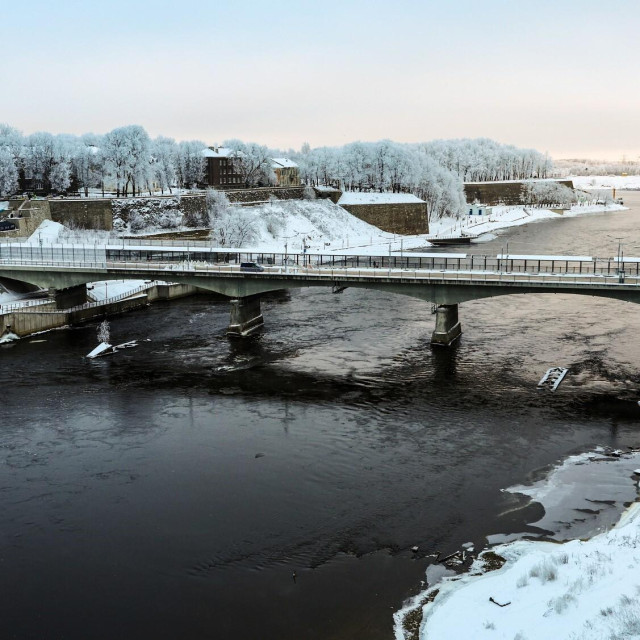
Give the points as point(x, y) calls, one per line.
point(251, 266)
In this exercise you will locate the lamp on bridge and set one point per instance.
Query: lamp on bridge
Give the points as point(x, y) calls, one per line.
point(620, 261)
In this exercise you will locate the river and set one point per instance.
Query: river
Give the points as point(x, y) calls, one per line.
point(196, 487)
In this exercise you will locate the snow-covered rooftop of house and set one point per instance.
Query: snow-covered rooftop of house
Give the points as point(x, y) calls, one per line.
point(356, 197)
point(277, 163)
point(217, 152)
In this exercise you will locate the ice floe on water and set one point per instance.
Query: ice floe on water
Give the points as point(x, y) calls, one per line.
point(586, 587)
point(585, 494)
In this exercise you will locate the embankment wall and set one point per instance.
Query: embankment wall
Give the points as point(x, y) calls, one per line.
point(24, 323)
point(402, 218)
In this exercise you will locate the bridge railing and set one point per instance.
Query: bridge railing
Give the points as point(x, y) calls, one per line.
point(8, 307)
point(97, 257)
point(332, 273)
point(131, 293)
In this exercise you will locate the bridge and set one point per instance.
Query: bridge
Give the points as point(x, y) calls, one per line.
point(443, 279)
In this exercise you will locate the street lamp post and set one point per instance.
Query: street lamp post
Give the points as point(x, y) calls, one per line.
point(620, 262)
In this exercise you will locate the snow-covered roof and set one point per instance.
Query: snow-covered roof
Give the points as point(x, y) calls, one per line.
point(356, 197)
point(217, 152)
point(285, 163)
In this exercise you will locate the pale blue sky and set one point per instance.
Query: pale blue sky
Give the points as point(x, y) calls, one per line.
point(557, 76)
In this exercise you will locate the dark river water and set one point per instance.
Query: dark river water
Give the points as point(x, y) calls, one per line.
point(172, 490)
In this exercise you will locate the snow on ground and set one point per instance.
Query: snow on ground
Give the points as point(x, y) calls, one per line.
point(605, 182)
point(46, 233)
point(510, 216)
point(581, 589)
point(320, 225)
point(99, 291)
point(357, 197)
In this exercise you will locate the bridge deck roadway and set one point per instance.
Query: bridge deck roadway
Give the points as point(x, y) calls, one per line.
point(438, 286)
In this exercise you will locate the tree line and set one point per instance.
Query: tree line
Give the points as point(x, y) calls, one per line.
point(434, 171)
point(132, 163)
point(126, 157)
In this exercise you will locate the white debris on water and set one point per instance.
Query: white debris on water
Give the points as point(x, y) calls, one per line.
point(102, 349)
point(552, 378)
point(106, 349)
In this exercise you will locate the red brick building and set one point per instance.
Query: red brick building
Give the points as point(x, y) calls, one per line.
point(219, 171)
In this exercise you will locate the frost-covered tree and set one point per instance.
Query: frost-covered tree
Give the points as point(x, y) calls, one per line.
point(164, 155)
point(8, 172)
point(356, 161)
point(482, 159)
point(549, 192)
point(46, 160)
point(441, 189)
point(38, 157)
point(126, 150)
point(12, 139)
point(191, 163)
point(137, 169)
point(252, 162)
point(60, 176)
point(86, 164)
point(230, 226)
point(115, 150)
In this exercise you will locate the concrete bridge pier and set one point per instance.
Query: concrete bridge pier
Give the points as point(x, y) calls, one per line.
point(245, 317)
point(69, 297)
point(448, 327)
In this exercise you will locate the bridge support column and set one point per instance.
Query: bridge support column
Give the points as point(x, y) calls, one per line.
point(448, 327)
point(70, 297)
point(245, 317)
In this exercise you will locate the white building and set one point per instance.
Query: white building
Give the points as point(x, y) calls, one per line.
point(477, 209)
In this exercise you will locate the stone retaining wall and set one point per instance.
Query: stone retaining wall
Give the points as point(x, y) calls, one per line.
point(261, 194)
point(28, 216)
point(93, 213)
point(401, 218)
point(334, 195)
point(26, 323)
point(494, 193)
point(98, 213)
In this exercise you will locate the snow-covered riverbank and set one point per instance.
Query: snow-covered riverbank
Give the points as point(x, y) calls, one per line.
point(323, 226)
point(502, 217)
point(584, 589)
point(606, 182)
